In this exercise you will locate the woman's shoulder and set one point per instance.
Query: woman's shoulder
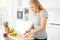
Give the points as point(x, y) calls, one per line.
point(43, 13)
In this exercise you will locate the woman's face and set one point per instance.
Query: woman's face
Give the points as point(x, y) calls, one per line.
point(33, 7)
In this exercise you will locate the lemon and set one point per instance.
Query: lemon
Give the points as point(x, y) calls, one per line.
point(11, 34)
point(15, 33)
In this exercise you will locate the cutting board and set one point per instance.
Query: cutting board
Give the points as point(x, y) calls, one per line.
point(22, 37)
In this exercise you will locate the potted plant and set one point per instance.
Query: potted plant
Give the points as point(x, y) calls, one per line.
point(6, 27)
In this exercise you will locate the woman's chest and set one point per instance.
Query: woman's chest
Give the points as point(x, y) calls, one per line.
point(35, 18)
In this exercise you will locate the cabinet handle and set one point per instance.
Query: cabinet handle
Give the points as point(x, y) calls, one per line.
point(54, 24)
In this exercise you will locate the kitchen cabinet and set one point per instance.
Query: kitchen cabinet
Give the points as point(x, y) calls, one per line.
point(53, 32)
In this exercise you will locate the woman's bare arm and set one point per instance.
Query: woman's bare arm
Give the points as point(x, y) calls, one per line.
point(31, 27)
point(41, 27)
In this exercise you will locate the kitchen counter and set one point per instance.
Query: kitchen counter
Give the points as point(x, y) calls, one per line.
point(18, 37)
point(21, 37)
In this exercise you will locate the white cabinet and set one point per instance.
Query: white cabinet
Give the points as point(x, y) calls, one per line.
point(53, 32)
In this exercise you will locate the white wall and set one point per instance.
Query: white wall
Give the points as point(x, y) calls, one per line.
point(3, 4)
point(8, 10)
point(50, 3)
point(19, 4)
point(3, 11)
point(12, 12)
point(45, 3)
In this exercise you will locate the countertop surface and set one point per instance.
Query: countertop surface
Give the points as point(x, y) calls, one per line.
point(18, 37)
point(21, 37)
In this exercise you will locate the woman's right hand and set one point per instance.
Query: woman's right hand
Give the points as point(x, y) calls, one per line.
point(27, 31)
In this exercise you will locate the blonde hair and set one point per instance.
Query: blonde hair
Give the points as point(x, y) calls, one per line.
point(37, 4)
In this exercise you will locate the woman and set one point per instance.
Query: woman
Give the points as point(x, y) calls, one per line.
point(38, 17)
